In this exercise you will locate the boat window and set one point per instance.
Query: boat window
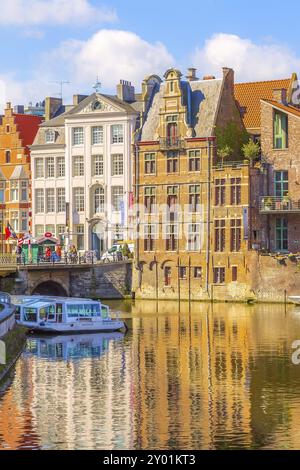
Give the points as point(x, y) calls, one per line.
point(83, 310)
point(59, 308)
point(104, 311)
point(17, 313)
point(30, 314)
point(43, 313)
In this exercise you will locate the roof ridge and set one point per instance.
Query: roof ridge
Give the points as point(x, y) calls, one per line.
point(263, 81)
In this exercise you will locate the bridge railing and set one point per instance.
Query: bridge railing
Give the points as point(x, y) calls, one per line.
point(66, 260)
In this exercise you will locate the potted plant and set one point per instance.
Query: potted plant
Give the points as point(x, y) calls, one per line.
point(285, 201)
point(268, 203)
point(251, 151)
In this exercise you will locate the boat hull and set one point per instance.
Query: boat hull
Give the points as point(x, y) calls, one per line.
point(295, 299)
point(76, 327)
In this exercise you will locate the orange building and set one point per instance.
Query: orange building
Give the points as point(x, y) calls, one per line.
point(17, 133)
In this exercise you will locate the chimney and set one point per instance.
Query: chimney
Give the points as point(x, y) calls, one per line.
point(209, 77)
point(280, 95)
point(19, 109)
point(125, 91)
point(52, 105)
point(228, 79)
point(78, 98)
point(191, 74)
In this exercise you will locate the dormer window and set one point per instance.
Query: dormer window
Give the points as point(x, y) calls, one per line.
point(50, 136)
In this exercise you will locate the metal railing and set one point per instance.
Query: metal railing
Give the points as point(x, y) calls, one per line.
point(230, 164)
point(278, 204)
point(172, 143)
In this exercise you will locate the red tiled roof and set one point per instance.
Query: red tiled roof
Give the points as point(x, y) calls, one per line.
point(248, 96)
point(27, 126)
point(284, 107)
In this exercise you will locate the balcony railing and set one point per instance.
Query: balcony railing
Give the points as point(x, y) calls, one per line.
point(271, 204)
point(231, 165)
point(172, 143)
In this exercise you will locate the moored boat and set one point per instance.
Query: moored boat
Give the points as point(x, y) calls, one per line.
point(295, 299)
point(65, 315)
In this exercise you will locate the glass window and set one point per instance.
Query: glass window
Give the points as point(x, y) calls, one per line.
point(194, 197)
point(99, 200)
point(280, 130)
point(50, 136)
point(2, 191)
point(79, 230)
point(235, 234)
point(235, 191)
point(24, 221)
point(220, 192)
point(24, 191)
point(39, 201)
point(78, 166)
point(50, 229)
point(14, 220)
point(61, 167)
point(97, 135)
point(117, 233)
point(77, 136)
point(50, 200)
point(14, 191)
point(172, 162)
point(281, 183)
point(149, 237)
point(172, 237)
point(149, 199)
point(150, 163)
point(197, 272)
point(194, 160)
point(7, 156)
point(39, 230)
point(79, 199)
point(194, 238)
point(39, 168)
point(98, 165)
point(50, 167)
point(117, 134)
point(281, 234)
point(220, 235)
point(117, 197)
point(219, 275)
point(117, 164)
point(61, 200)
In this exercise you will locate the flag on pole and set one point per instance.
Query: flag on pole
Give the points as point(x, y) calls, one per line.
point(9, 232)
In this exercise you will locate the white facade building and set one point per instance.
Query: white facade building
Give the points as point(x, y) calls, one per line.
point(82, 172)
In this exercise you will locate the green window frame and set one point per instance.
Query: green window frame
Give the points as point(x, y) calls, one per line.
point(281, 183)
point(280, 130)
point(281, 234)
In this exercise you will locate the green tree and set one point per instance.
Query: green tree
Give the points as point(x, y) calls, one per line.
point(224, 153)
point(126, 252)
point(251, 150)
point(233, 136)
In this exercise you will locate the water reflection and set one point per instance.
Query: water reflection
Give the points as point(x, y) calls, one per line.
point(206, 377)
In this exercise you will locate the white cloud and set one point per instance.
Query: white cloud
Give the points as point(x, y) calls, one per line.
point(111, 54)
point(250, 61)
point(49, 12)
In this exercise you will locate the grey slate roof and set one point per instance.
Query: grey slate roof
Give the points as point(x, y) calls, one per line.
point(204, 99)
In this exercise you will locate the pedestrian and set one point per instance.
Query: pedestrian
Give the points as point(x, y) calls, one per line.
point(48, 254)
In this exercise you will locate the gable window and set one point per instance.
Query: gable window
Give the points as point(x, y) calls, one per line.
point(77, 136)
point(98, 165)
point(97, 135)
point(2, 191)
point(150, 163)
point(172, 137)
point(50, 136)
point(280, 130)
point(117, 134)
point(7, 156)
point(7, 129)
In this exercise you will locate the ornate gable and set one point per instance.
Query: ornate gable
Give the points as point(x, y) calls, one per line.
point(100, 105)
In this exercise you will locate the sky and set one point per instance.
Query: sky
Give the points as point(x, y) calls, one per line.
point(43, 42)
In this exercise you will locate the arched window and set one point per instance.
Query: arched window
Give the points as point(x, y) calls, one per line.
point(99, 200)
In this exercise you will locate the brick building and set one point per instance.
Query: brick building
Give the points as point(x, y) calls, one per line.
point(280, 192)
point(17, 132)
point(193, 223)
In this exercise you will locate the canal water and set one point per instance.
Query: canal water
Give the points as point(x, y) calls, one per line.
point(198, 377)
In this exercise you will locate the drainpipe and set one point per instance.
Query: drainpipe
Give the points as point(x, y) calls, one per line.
point(208, 217)
point(137, 201)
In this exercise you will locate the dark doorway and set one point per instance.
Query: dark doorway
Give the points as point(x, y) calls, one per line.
point(50, 288)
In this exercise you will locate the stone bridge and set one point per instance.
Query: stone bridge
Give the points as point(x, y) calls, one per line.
point(105, 280)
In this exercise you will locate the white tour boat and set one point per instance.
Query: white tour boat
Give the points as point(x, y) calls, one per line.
point(65, 315)
point(295, 299)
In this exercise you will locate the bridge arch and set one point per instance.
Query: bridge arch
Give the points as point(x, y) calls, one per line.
point(49, 288)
